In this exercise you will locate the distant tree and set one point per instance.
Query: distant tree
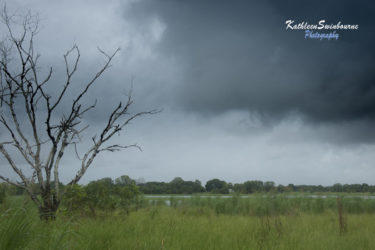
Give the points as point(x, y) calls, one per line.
point(365, 187)
point(281, 188)
point(39, 127)
point(124, 180)
point(337, 187)
point(292, 188)
point(320, 188)
point(75, 197)
point(217, 186)
point(238, 188)
point(155, 188)
point(268, 186)
point(99, 195)
point(198, 188)
point(140, 180)
point(129, 196)
point(253, 186)
point(176, 186)
point(177, 180)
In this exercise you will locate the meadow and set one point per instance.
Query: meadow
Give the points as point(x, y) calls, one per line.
point(251, 222)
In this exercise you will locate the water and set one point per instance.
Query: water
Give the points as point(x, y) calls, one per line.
point(166, 199)
point(315, 196)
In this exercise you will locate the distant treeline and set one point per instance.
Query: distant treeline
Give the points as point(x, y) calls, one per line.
point(179, 186)
point(215, 186)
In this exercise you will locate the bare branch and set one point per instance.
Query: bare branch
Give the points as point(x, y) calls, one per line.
point(18, 171)
point(20, 185)
point(117, 147)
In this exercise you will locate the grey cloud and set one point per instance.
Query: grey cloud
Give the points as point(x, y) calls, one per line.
point(238, 55)
point(243, 98)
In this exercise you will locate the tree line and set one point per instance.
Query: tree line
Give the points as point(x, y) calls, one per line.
point(217, 186)
point(129, 188)
point(106, 187)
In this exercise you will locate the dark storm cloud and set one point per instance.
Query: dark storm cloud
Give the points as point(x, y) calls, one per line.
point(243, 98)
point(238, 55)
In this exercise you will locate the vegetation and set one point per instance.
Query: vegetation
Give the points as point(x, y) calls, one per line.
point(106, 186)
point(255, 222)
point(216, 186)
point(176, 186)
point(113, 214)
point(102, 195)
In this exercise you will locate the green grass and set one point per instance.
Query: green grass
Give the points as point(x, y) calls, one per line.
point(198, 223)
point(260, 204)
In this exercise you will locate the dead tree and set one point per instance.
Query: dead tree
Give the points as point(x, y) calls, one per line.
point(37, 131)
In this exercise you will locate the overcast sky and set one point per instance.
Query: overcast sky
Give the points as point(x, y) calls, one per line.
point(242, 97)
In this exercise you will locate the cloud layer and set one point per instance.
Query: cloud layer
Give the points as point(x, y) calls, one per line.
point(243, 97)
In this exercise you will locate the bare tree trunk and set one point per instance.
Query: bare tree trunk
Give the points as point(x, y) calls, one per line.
point(48, 212)
point(50, 205)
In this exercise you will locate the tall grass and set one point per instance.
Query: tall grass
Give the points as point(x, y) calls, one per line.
point(199, 223)
point(15, 228)
point(260, 205)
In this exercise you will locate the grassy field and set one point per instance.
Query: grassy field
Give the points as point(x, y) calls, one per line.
point(259, 222)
